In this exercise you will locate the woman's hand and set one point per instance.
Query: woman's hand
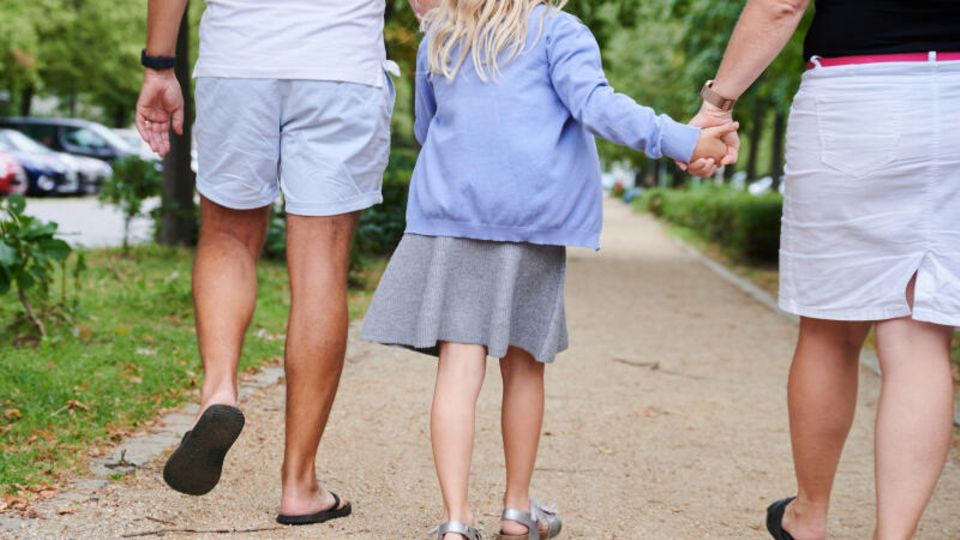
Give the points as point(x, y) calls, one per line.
point(708, 117)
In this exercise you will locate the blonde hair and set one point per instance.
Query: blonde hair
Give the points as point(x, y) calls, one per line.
point(490, 32)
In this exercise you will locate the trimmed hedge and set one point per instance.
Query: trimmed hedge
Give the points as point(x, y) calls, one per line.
point(747, 225)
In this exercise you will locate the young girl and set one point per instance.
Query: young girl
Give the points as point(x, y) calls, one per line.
point(509, 96)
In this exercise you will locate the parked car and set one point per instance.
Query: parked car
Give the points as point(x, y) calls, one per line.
point(13, 179)
point(134, 140)
point(47, 172)
point(74, 136)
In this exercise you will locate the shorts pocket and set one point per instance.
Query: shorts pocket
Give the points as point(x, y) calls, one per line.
point(859, 136)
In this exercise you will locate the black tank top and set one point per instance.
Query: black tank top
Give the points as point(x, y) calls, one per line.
point(853, 27)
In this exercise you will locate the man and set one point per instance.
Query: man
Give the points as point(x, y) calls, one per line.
point(291, 95)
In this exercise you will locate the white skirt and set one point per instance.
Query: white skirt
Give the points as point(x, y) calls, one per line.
point(873, 194)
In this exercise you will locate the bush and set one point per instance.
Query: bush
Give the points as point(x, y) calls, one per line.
point(29, 252)
point(134, 180)
point(748, 225)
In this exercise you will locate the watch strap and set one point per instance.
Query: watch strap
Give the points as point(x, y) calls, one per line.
point(712, 97)
point(157, 62)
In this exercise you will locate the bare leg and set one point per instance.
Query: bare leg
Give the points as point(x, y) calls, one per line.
point(521, 421)
point(459, 380)
point(822, 398)
point(225, 293)
point(318, 252)
point(914, 421)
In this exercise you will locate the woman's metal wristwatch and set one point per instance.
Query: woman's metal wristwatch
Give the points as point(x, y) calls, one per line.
point(712, 97)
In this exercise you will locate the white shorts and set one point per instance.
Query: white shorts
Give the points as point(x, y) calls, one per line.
point(324, 144)
point(873, 193)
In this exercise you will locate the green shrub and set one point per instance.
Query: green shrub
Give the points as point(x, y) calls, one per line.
point(29, 252)
point(134, 180)
point(747, 225)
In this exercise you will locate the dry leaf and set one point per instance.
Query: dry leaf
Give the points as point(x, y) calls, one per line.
point(66, 511)
point(13, 414)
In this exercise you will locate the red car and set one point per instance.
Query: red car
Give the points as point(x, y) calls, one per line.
point(13, 179)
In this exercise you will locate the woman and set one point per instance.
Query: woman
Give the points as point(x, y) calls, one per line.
point(871, 237)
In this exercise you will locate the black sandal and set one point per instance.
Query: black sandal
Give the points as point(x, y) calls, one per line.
point(333, 512)
point(195, 467)
point(775, 519)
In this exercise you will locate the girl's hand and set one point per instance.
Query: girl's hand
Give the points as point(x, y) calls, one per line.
point(713, 143)
point(710, 116)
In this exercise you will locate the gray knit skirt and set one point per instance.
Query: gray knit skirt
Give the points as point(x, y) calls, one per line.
point(495, 294)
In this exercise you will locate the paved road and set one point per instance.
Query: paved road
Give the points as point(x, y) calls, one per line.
point(666, 420)
point(85, 222)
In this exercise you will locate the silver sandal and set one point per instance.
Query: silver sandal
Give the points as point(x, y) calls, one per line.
point(539, 513)
point(456, 527)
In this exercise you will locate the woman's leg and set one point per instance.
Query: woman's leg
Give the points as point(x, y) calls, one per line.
point(822, 398)
point(521, 421)
point(459, 379)
point(914, 421)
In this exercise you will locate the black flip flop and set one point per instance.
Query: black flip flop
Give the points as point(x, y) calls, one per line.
point(333, 512)
point(195, 467)
point(775, 519)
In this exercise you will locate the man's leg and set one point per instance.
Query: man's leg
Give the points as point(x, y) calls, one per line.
point(318, 254)
point(225, 293)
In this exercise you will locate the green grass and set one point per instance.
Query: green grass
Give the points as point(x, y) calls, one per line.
point(129, 354)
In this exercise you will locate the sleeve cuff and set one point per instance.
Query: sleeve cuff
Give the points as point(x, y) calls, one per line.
point(678, 141)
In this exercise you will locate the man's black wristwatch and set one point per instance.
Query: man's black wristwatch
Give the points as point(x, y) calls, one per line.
point(159, 63)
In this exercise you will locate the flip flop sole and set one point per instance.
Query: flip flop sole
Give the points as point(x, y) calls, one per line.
point(314, 519)
point(775, 519)
point(195, 467)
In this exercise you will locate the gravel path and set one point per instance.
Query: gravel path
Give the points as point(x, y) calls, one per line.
point(666, 420)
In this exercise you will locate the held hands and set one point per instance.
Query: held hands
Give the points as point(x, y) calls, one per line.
point(160, 105)
point(713, 146)
point(708, 117)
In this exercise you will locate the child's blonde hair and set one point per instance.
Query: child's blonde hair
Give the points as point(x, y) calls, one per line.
point(482, 29)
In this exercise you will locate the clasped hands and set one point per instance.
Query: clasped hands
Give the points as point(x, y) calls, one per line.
point(718, 144)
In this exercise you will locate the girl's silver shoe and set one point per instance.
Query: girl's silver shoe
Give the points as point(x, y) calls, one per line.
point(538, 514)
point(456, 527)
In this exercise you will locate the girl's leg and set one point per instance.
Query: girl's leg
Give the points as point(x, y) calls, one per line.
point(521, 420)
point(459, 379)
point(914, 421)
point(822, 398)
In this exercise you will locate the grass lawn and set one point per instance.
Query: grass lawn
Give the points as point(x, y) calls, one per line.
point(129, 354)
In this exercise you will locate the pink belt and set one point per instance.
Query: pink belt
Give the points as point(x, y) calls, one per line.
point(880, 58)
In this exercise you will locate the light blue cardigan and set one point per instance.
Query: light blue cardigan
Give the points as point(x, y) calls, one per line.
point(515, 160)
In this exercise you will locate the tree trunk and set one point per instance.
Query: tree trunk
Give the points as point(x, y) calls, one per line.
point(119, 116)
point(756, 133)
point(178, 223)
point(776, 156)
point(26, 100)
point(25, 302)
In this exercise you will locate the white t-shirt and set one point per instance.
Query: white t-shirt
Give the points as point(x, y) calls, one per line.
point(331, 40)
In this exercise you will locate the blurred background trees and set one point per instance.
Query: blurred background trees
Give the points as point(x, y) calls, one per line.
point(84, 55)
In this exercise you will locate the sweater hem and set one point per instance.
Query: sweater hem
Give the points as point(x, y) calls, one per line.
point(480, 231)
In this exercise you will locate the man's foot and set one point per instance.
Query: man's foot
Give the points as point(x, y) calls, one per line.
point(195, 467)
point(321, 507)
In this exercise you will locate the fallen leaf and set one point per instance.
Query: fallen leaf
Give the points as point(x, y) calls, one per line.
point(31, 439)
point(13, 414)
point(66, 511)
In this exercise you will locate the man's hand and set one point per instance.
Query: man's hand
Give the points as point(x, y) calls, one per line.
point(710, 116)
point(159, 105)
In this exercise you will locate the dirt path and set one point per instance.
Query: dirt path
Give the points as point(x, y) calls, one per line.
point(666, 420)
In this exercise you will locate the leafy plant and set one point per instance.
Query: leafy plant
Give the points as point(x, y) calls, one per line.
point(28, 252)
point(134, 180)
